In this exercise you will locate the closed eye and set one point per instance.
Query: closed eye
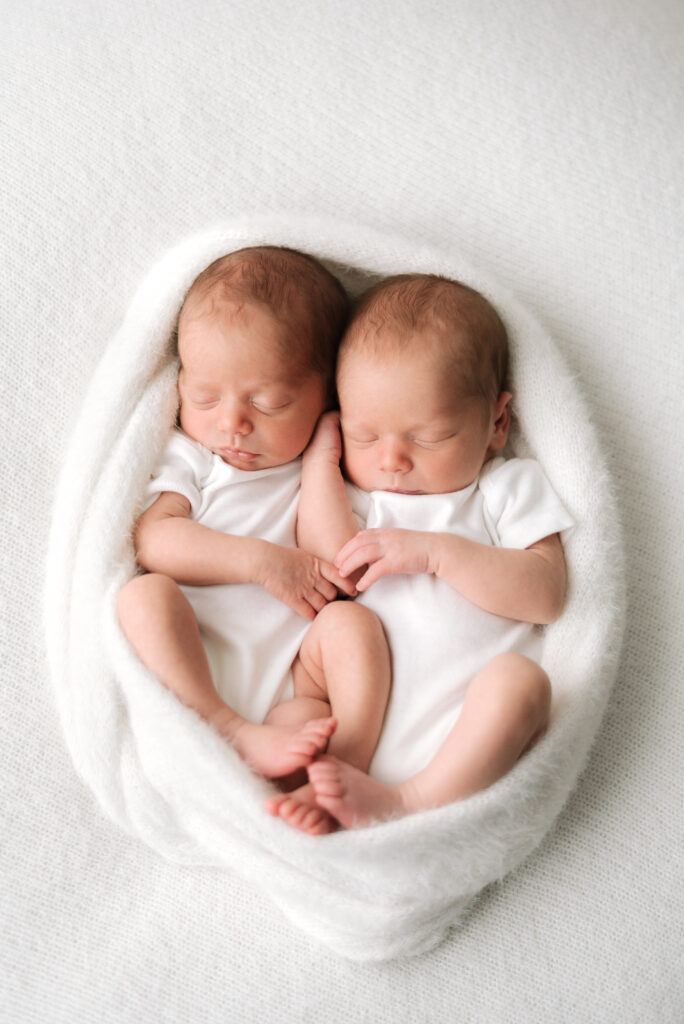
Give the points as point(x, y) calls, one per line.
point(270, 408)
point(360, 442)
point(431, 442)
point(204, 401)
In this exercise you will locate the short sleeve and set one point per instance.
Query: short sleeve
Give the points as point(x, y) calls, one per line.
point(182, 468)
point(360, 503)
point(521, 507)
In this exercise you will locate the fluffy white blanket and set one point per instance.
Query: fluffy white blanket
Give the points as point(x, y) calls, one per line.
point(164, 775)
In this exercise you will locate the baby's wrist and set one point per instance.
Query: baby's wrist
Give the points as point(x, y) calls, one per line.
point(261, 560)
point(432, 550)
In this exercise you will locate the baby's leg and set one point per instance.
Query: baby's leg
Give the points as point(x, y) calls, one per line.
point(161, 627)
point(505, 710)
point(344, 662)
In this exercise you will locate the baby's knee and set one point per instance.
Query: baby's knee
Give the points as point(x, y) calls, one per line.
point(518, 682)
point(143, 592)
point(349, 617)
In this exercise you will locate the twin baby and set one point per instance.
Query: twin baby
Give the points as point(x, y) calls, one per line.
point(266, 508)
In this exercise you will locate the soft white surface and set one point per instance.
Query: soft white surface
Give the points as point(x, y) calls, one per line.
point(548, 145)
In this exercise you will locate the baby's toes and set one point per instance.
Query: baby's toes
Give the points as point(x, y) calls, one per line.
point(272, 805)
point(325, 779)
point(322, 727)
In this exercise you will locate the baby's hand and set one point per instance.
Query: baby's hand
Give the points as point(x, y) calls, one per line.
point(326, 443)
point(301, 581)
point(384, 552)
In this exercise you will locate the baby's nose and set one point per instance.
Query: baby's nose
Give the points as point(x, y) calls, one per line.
point(234, 419)
point(394, 458)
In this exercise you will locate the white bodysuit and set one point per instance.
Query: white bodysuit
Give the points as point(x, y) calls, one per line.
point(439, 640)
point(250, 637)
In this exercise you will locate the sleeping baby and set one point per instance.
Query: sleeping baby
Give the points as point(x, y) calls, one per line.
point(232, 617)
point(455, 548)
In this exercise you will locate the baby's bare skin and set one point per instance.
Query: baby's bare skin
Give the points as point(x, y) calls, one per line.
point(353, 798)
point(302, 810)
point(505, 711)
point(274, 750)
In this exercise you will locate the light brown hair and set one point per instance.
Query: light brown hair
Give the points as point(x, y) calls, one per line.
point(297, 289)
point(469, 336)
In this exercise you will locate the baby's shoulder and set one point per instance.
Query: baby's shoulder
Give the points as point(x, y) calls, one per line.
point(506, 483)
point(181, 450)
point(502, 473)
point(519, 502)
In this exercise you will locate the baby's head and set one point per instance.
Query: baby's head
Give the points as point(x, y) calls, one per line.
point(421, 377)
point(257, 340)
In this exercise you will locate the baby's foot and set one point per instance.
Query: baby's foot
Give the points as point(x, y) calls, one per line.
point(276, 750)
point(352, 797)
point(301, 811)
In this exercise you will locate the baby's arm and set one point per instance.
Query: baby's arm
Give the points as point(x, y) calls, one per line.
point(168, 541)
point(527, 585)
point(325, 521)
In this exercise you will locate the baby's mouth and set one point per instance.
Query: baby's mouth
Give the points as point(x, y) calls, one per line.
point(239, 454)
point(396, 484)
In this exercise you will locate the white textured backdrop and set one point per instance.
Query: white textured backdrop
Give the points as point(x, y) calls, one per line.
point(546, 140)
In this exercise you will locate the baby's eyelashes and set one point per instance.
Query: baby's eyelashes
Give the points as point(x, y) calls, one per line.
point(270, 407)
point(360, 442)
point(365, 440)
point(431, 442)
point(204, 401)
point(207, 400)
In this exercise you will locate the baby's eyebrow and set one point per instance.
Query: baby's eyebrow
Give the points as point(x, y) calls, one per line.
point(201, 385)
point(354, 425)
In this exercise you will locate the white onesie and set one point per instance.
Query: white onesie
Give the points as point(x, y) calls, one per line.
point(250, 637)
point(438, 639)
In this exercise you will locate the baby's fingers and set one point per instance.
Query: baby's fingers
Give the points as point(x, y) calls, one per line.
point(332, 580)
point(324, 588)
point(351, 558)
point(360, 540)
point(372, 574)
point(318, 598)
point(304, 608)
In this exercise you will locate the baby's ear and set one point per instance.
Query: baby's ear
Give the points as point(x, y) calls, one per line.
point(501, 421)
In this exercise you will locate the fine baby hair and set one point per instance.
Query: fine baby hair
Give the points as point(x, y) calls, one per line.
point(296, 288)
point(469, 336)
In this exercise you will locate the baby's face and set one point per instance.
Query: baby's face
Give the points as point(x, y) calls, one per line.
point(238, 396)
point(404, 431)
